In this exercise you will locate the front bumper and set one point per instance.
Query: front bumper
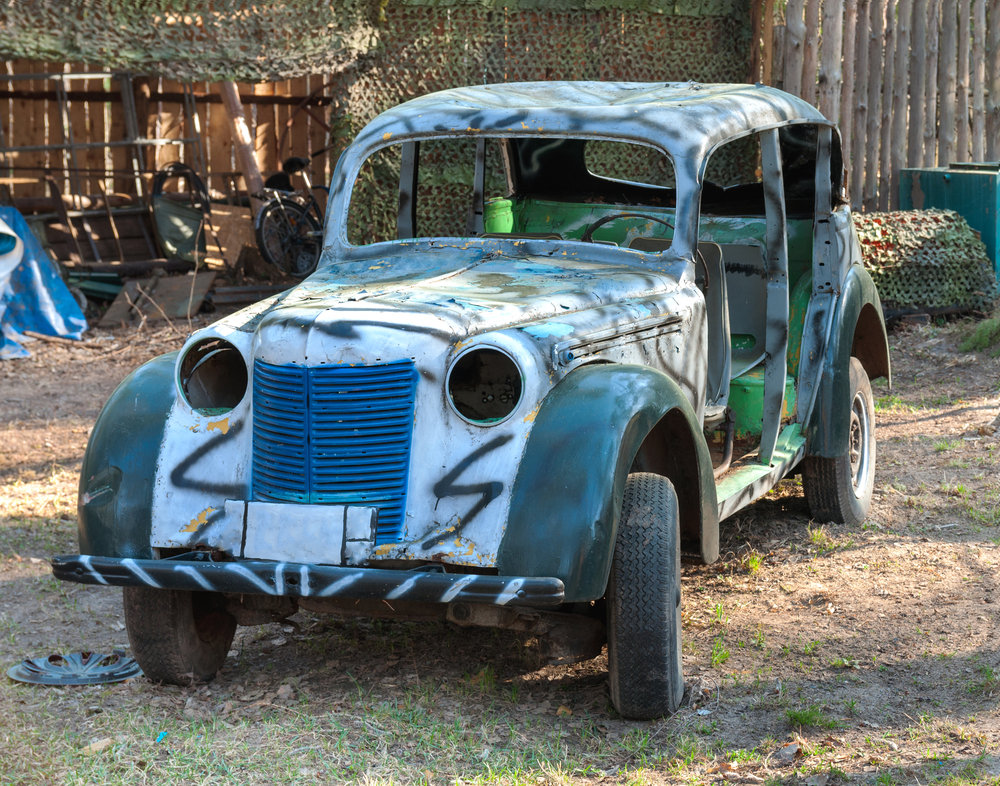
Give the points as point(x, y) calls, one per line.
point(258, 577)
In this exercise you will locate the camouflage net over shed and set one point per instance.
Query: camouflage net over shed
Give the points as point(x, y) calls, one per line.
point(413, 46)
point(926, 259)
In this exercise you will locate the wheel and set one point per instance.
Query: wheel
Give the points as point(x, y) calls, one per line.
point(840, 489)
point(178, 636)
point(289, 237)
point(644, 602)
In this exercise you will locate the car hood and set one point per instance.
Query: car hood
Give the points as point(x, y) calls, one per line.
point(491, 294)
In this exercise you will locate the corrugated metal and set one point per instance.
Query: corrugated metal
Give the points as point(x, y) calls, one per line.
point(335, 435)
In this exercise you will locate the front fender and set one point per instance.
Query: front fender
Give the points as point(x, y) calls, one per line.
point(858, 329)
point(119, 466)
point(568, 492)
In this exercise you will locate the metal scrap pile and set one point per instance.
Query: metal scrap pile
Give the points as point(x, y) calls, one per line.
point(926, 260)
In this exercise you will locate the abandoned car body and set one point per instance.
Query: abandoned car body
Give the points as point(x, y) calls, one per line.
point(517, 398)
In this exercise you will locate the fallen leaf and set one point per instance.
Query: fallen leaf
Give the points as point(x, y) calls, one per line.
point(564, 710)
point(97, 747)
point(788, 753)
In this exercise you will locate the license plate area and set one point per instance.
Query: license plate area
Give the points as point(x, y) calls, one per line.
point(316, 534)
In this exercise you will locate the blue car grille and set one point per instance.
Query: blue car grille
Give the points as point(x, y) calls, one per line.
point(336, 435)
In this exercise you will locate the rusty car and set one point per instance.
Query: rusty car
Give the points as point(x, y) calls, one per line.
point(558, 332)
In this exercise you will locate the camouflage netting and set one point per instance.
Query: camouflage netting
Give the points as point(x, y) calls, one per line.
point(427, 44)
point(926, 259)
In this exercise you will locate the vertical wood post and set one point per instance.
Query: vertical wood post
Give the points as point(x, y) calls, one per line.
point(875, 64)
point(899, 85)
point(848, 85)
point(931, 77)
point(978, 80)
point(242, 142)
point(918, 86)
point(810, 52)
point(756, 33)
point(830, 73)
point(859, 135)
point(795, 36)
point(993, 85)
point(947, 82)
point(767, 61)
point(888, 75)
point(962, 107)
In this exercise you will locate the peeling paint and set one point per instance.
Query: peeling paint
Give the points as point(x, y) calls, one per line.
point(218, 425)
point(199, 521)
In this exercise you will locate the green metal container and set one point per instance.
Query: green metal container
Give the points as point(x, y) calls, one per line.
point(972, 190)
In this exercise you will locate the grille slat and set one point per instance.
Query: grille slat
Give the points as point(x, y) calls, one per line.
point(335, 435)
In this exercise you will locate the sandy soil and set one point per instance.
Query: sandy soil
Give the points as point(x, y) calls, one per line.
point(812, 651)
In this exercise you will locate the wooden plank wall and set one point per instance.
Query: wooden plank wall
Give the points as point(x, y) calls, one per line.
point(99, 117)
point(924, 87)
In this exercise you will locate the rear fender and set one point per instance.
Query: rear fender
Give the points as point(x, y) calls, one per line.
point(597, 425)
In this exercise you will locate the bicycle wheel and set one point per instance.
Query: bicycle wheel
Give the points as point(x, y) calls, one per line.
point(289, 237)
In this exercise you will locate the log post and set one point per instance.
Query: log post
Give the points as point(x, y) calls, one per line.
point(978, 80)
point(931, 69)
point(918, 86)
point(847, 86)
point(948, 82)
point(962, 107)
point(767, 62)
point(875, 65)
point(810, 51)
point(830, 73)
point(858, 136)
point(795, 36)
point(885, 130)
point(993, 88)
point(242, 141)
point(899, 84)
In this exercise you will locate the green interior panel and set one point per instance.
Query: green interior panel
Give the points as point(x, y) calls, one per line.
point(746, 398)
point(740, 229)
point(570, 220)
point(798, 302)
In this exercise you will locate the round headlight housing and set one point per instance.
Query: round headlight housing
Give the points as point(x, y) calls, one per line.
point(213, 376)
point(484, 385)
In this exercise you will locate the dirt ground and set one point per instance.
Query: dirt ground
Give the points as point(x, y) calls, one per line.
point(813, 654)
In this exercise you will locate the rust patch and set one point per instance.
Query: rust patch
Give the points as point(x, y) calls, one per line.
point(200, 520)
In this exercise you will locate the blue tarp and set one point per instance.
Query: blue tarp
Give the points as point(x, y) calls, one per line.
point(32, 295)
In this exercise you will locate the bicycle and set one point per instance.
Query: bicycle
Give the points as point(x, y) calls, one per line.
point(289, 227)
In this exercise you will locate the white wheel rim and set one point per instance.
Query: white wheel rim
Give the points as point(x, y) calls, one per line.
point(860, 446)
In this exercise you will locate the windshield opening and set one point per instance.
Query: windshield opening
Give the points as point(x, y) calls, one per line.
point(517, 188)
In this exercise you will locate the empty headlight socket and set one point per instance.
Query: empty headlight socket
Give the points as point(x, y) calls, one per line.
point(484, 385)
point(213, 376)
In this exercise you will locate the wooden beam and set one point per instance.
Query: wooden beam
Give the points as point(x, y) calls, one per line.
point(948, 82)
point(167, 96)
point(875, 64)
point(888, 76)
point(848, 84)
point(767, 59)
point(810, 50)
point(242, 141)
point(993, 88)
point(756, 30)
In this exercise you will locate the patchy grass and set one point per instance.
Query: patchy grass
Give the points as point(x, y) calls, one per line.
point(985, 336)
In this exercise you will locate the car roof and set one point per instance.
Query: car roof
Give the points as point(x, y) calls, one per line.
point(686, 118)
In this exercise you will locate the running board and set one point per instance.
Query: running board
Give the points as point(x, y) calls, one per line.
point(739, 488)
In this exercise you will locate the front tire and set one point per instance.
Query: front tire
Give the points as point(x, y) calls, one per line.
point(178, 636)
point(840, 489)
point(644, 596)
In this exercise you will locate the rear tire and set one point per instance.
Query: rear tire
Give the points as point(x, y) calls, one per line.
point(644, 594)
point(178, 636)
point(840, 489)
point(288, 237)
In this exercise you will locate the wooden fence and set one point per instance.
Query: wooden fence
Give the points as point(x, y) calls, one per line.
point(911, 83)
point(293, 112)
